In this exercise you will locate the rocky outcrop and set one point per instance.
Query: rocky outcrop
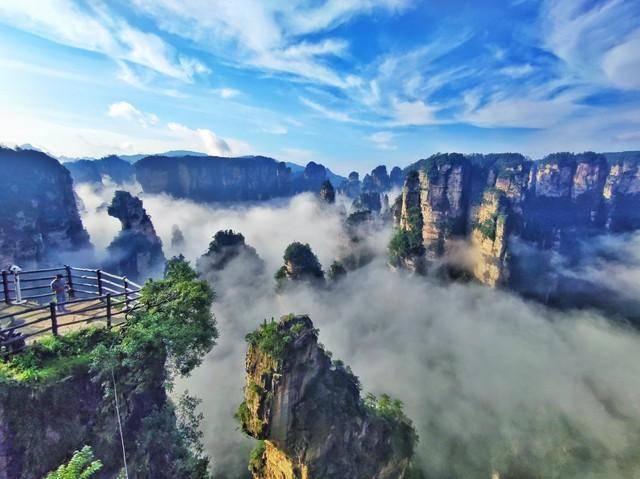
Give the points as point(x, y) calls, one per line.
point(368, 201)
point(228, 247)
point(396, 177)
point(352, 186)
point(327, 193)
point(39, 219)
point(92, 171)
point(500, 201)
point(137, 250)
point(300, 265)
point(308, 412)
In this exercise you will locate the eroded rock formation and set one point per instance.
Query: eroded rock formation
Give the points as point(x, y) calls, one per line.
point(501, 202)
point(308, 412)
point(327, 193)
point(92, 171)
point(137, 250)
point(228, 252)
point(300, 264)
point(39, 219)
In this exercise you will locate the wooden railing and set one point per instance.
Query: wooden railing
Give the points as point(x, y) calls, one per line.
point(94, 295)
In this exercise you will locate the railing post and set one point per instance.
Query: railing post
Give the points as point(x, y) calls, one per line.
point(125, 283)
point(5, 286)
point(72, 293)
point(109, 310)
point(99, 275)
point(54, 318)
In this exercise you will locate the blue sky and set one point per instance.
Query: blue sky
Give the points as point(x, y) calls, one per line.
point(349, 83)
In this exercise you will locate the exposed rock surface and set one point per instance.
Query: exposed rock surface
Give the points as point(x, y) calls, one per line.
point(137, 250)
point(327, 192)
point(501, 201)
point(352, 186)
point(300, 264)
point(309, 413)
point(396, 177)
point(92, 171)
point(39, 219)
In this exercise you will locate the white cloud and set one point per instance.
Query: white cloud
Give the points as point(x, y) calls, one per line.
point(621, 64)
point(227, 92)
point(93, 27)
point(598, 41)
point(383, 140)
point(123, 109)
point(266, 34)
point(417, 112)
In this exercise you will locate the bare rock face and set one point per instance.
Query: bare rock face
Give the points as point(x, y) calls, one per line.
point(352, 186)
point(500, 200)
point(327, 193)
point(443, 201)
point(489, 238)
point(396, 177)
point(137, 250)
point(39, 219)
point(309, 414)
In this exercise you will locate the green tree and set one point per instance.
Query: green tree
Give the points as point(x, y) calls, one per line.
point(81, 466)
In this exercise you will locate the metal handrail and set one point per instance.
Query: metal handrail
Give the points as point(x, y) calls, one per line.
point(99, 304)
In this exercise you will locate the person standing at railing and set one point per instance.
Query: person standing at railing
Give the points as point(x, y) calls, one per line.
point(59, 287)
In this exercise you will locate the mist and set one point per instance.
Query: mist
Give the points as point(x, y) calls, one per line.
point(492, 382)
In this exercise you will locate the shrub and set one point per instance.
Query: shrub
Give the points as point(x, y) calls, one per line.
point(81, 466)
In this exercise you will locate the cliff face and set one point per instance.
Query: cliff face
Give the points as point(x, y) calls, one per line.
point(327, 193)
point(92, 171)
point(214, 178)
point(137, 250)
point(499, 201)
point(39, 219)
point(309, 413)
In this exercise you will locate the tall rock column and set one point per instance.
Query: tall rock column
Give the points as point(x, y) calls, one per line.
point(443, 201)
point(308, 412)
point(137, 250)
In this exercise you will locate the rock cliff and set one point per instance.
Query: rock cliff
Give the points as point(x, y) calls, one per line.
point(137, 250)
point(39, 219)
point(92, 171)
point(212, 178)
point(308, 412)
point(501, 202)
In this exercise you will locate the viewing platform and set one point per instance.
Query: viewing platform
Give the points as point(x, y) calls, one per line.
point(28, 307)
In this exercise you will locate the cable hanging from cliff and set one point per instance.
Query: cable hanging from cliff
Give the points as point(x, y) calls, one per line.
point(124, 453)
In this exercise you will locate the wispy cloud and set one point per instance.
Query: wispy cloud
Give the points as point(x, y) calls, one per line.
point(327, 112)
point(382, 140)
point(93, 27)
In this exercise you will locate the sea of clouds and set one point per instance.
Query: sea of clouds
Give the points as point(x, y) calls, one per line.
point(492, 382)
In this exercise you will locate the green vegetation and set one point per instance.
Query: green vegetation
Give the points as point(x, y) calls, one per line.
point(487, 228)
point(167, 336)
point(271, 338)
point(390, 410)
point(407, 242)
point(256, 458)
point(81, 466)
point(434, 163)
